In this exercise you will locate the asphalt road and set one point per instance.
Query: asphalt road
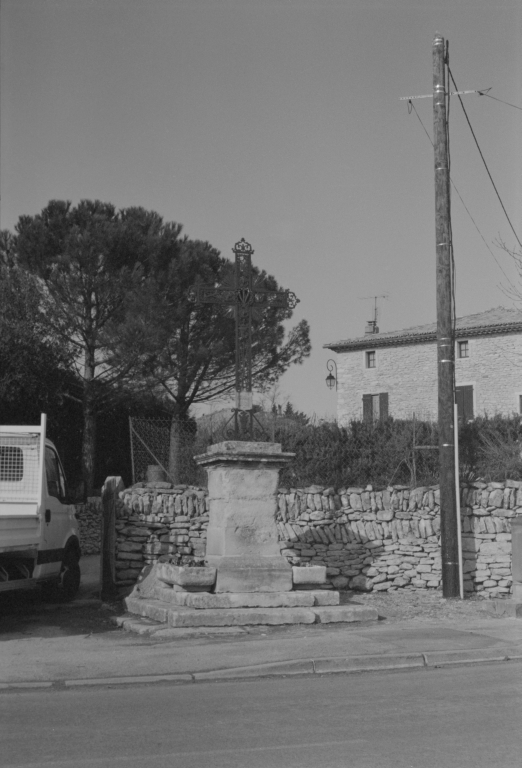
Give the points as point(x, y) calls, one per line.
point(458, 717)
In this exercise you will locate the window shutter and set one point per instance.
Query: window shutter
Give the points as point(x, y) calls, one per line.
point(383, 405)
point(464, 400)
point(367, 408)
point(468, 403)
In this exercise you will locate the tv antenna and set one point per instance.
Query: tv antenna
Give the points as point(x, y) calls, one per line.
point(375, 306)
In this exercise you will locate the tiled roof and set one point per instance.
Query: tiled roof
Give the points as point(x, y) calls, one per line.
point(494, 321)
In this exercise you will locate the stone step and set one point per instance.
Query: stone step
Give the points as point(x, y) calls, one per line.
point(181, 616)
point(223, 600)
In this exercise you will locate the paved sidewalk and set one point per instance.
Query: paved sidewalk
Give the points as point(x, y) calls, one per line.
point(183, 655)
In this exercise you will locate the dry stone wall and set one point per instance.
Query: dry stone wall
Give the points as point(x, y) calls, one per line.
point(388, 540)
point(369, 540)
point(156, 519)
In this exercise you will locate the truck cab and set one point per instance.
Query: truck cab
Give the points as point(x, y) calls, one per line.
point(39, 538)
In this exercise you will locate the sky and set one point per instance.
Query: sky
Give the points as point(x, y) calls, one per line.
point(279, 121)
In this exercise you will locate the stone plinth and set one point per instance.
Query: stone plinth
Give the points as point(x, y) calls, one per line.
point(309, 577)
point(242, 540)
point(168, 613)
point(189, 579)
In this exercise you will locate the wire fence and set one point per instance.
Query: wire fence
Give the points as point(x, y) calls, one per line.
point(380, 453)
point(164, 450)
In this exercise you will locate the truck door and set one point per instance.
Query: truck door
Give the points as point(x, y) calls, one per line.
point(55, 516)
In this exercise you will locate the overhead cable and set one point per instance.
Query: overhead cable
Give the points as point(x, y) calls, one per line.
point(411, 107)
point(483, 93)
point(484, 161)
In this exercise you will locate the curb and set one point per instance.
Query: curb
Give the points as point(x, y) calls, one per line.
point(447, 658)
point(271, 669)
point(329, 666)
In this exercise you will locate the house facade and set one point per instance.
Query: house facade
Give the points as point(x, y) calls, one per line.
point(395, 373)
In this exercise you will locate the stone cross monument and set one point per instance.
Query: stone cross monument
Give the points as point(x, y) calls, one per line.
point(242, 542)
point(247, 580)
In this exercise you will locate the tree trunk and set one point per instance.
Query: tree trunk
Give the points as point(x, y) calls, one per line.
point(176, 451)
point(89, 426)
point(181, 444)
point(88, 445)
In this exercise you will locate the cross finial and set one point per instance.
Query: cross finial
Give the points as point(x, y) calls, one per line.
point(243, 247)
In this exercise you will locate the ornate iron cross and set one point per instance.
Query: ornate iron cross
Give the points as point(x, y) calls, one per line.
point(248, 298)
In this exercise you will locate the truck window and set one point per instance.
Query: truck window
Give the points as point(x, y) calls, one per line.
point(55, 485)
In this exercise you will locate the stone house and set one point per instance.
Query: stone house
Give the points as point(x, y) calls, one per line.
point(395, 373)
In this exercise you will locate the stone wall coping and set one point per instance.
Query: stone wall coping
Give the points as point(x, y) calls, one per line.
point(236, 452)
point(240, 447)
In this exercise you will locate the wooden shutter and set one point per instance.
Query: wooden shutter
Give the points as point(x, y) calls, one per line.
point(464, 400)
point(367, 408)
point(383, 405)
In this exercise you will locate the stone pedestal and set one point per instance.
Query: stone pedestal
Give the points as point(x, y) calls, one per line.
point(242, 541)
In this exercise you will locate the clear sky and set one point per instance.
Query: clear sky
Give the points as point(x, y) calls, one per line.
point(278, 121)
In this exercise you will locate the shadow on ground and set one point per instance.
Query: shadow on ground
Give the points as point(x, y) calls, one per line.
point(29, 614)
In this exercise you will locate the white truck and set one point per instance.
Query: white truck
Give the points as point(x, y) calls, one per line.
point(39, 539)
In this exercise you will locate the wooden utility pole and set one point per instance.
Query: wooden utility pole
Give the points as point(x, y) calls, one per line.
point(445, 340)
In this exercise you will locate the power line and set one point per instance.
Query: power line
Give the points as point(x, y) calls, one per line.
point(411, 107)
point(484, 161)
point(483, 93)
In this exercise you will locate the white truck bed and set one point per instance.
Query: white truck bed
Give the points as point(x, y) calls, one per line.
point(20, 487)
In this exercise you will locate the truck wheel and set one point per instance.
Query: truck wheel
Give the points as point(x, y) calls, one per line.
point(69, 575)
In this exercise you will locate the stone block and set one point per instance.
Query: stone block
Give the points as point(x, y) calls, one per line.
point(517, 592)
point(316, 574)
point(495, 547)
point(231, 482)
point(345, 613)
point(148, 608)
point(361, 583)
point(325, 597)
point(198, 578)
point(509, 608)
point(255, 574)
point(240, 617)
point(226, 600)
point(496, 497)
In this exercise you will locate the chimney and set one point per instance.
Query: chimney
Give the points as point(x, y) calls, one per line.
point(371, 327)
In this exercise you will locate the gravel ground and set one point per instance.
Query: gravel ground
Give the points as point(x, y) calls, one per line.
point(421, 606)
point(26, 614)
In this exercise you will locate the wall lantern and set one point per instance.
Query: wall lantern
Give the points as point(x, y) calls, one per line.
point(331, 379)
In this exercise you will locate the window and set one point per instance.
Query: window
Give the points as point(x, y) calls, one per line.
point(11, 464)
point(463, 349)
point(375, 406)
point(464, 400)
point(55, 479)
point(370, 360)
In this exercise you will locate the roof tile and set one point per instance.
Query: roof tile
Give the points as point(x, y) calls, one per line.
point(499, 319)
